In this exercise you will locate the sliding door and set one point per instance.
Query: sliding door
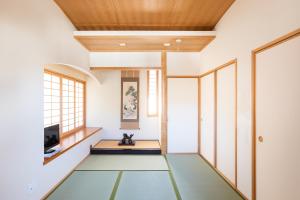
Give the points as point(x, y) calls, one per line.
point(226, 123)
point(182, 115)
point(207, 119)
point(277, 121)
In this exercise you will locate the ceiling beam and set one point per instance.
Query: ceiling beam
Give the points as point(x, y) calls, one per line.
point(122, 68)
point(144, 33)
point(164, 106)
point(144, 41)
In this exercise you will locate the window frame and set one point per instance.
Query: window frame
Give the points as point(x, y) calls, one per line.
point(157, 93)
point(61, 77)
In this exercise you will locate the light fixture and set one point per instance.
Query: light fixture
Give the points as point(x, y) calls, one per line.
point(122, 44)
point(178, 40)
point(167, 44)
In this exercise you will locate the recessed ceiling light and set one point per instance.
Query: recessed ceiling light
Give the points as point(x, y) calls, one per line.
point(122, 44)
point(167, 44)
point(178, 40)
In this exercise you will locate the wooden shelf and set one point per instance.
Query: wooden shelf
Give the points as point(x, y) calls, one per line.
point(72, 140)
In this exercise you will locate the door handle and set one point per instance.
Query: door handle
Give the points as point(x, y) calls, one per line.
point(261, 139)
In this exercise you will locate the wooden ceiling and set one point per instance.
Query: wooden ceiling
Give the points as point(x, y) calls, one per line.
point(144, 14)
point(144, 43)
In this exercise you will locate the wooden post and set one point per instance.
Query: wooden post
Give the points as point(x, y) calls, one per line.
point(164, 112)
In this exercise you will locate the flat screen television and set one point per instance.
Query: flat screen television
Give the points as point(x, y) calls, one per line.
point(51, 138)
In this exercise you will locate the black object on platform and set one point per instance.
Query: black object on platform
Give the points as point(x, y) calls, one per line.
point(127, 140)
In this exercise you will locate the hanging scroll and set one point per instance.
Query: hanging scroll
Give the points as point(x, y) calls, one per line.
point(130, 100)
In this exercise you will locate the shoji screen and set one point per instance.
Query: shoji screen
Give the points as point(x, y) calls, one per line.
point(226, 123)
point(182, 115)
point(207, 147)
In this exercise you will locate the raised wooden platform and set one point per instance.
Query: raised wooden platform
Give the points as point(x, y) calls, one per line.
point(140, 147)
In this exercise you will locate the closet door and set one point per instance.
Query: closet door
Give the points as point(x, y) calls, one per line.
point(226, 133)
point(207, 145)
point(182, 115)
point(277, 121)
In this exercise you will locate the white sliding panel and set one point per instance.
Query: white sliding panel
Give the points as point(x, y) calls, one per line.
point(182, 115)
point(277, 121)
point(226, 121)
point(207, 146)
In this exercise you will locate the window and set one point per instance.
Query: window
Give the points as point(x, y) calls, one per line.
point(51, 99)
point(63, 101)
point(152, 92)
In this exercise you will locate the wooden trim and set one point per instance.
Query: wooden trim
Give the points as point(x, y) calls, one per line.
point(207, 73)
point(199, 115)
point(89, 132)
point(123, 68)
point(63, 179)
point(253, 91)
point(256, 51)
point(215, 119)
point(224, 178)
point(277, 41)
point(145, 50)
point(183, 76)
point(164, 114)
point(130, 128)
point(235, 121)
point(233, 61)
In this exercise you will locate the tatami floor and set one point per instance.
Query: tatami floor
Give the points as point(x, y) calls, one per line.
point(144, 177)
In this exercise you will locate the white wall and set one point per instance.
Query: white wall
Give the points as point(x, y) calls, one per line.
point(183, 63)
point(247, 25)
point(179, 63)
point(32, 33)
point(104, 105)
point(124, 59)
point(104, 101)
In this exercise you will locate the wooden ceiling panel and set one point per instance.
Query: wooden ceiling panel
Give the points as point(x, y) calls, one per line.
point(89, 13)
point(144, 14)
point(144, 43)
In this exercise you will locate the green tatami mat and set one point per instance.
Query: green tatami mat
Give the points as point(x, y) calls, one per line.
point(197, 181)
point(86, 185)
point(124, 163)
point(145, 185)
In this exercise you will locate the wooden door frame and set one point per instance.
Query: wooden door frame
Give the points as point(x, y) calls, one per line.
point(256, 51)
point(164, 103)
point(198, 101)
